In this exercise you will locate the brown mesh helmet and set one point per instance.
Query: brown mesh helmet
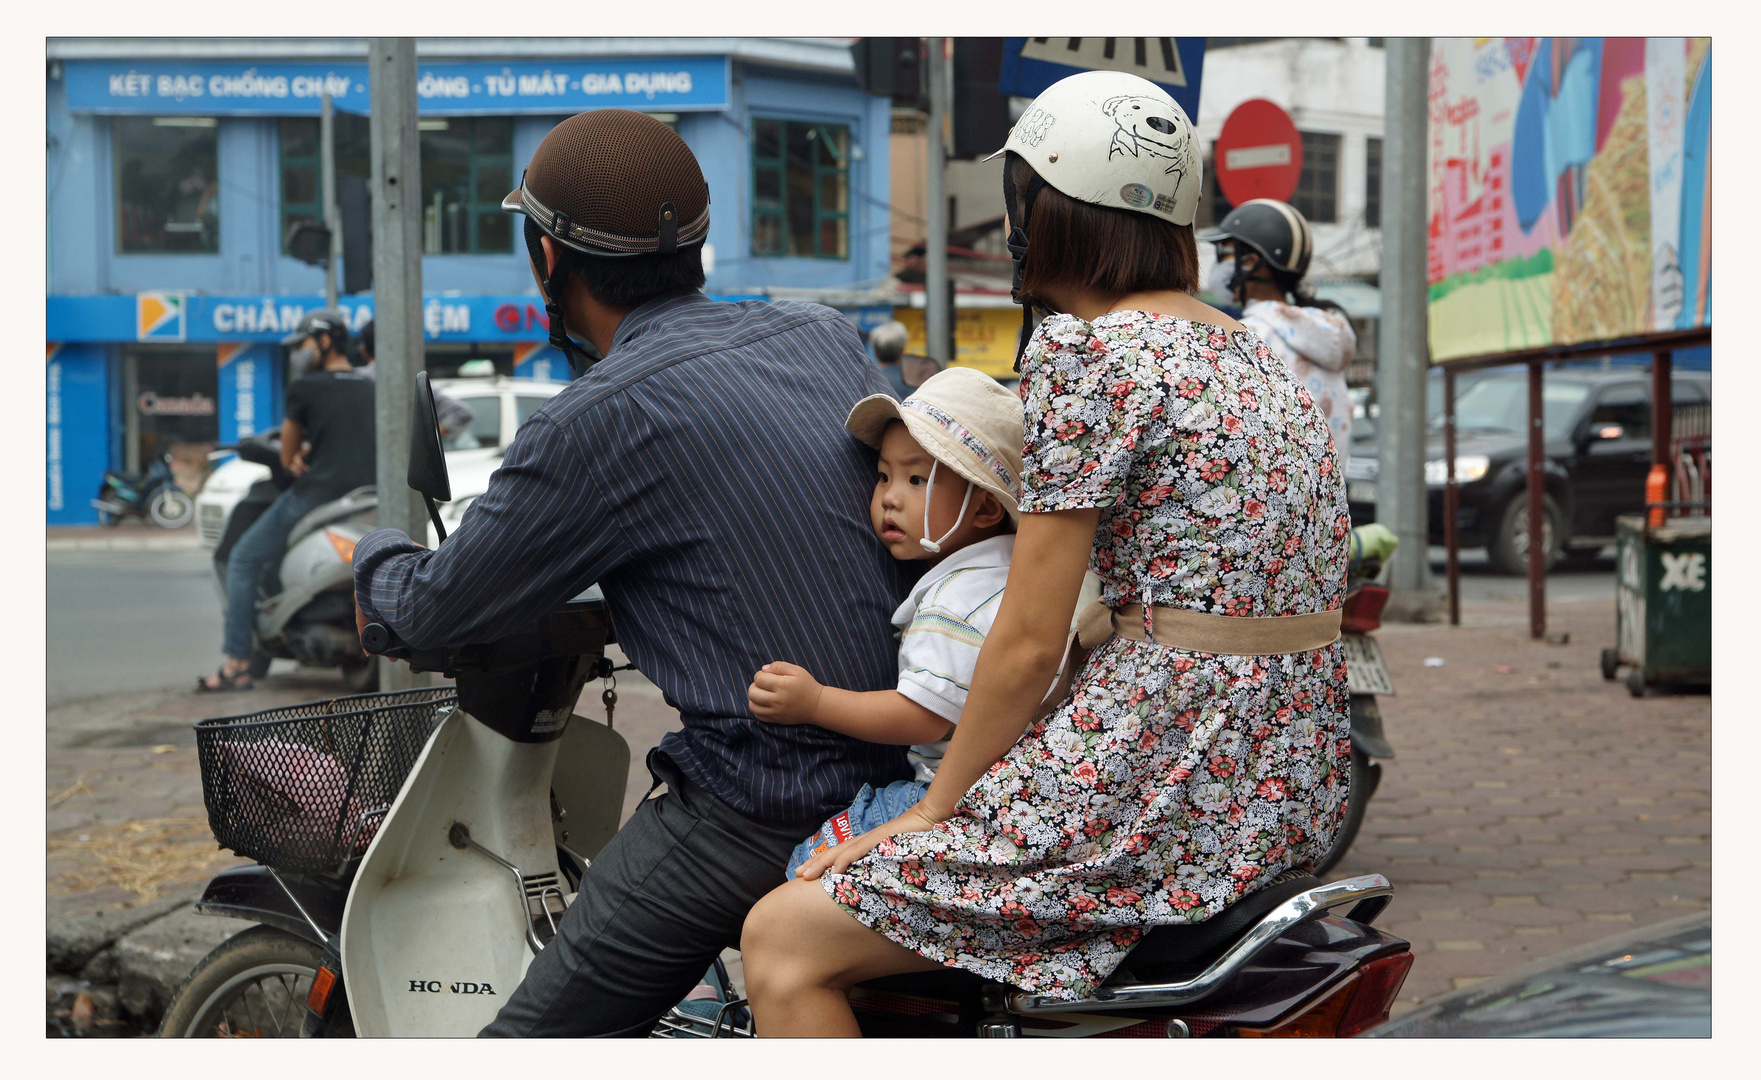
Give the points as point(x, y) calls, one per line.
point(615, 182)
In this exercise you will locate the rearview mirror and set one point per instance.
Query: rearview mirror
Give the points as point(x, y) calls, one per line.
point(427, 472)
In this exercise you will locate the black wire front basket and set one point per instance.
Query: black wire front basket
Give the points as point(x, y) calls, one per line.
point(304, 788)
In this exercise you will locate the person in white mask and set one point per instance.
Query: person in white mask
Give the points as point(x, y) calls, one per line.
point(1263, 251)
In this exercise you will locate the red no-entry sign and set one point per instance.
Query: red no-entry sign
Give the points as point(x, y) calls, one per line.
point(1258, 154)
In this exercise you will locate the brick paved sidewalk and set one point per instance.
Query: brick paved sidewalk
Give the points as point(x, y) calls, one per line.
point(1530, 812)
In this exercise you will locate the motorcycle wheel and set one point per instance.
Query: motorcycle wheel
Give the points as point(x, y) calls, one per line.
point(253, 986)
point(260, 662)
point(106, 518)
point(1364, 776)
point(362, 679)
point(172, 509)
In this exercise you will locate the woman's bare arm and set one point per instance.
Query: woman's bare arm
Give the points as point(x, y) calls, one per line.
point(1016, 667)
point(1020, 656)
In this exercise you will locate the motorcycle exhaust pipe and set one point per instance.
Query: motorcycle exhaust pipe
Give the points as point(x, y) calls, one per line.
point(107, 505)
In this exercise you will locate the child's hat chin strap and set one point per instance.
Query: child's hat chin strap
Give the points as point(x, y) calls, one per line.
point(934, 547)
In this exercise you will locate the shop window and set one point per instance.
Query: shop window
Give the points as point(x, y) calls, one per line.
point(467, 169)
point(167, 184)
point(1373, 183)
point(1317, 189)
point(800, 189)
point(302, 183)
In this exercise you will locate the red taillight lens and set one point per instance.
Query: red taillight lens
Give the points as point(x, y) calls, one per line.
point(320, 992)
point(1356, 1003)
point(1378, 984)
point(1319, 1020)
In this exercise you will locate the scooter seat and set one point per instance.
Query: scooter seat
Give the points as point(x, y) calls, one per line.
point(1166, 954)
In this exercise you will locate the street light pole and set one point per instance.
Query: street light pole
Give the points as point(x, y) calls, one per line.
point(327, 173)
point(1403, 352)
point(935, 284)
point(397, 292)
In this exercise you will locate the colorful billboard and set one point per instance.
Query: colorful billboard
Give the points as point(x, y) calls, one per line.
point(1570, 191)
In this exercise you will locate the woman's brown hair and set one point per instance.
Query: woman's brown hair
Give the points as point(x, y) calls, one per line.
point(1080, 245)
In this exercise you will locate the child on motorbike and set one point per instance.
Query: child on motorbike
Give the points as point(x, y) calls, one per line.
point(963, 422)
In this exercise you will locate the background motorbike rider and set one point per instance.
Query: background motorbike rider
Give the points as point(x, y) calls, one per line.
point(327, 443)
point(701, 474)
point(452, 414)
point(1263, 251)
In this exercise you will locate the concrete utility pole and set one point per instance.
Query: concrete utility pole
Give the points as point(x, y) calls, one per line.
point(937, 317)
point(397, 292)
point(1403, 355)
point(332, 216)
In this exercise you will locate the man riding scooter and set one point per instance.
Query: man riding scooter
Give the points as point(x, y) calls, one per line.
point(327, 443)
point(672, 471)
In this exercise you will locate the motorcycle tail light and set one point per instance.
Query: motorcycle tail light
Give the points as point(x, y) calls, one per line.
point(1318, 1020)
point(322, 984)
point(1378, 984)
point(345, 547)
point(1357, 1003)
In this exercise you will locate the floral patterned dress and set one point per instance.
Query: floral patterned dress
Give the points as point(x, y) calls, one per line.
point(1170, 783)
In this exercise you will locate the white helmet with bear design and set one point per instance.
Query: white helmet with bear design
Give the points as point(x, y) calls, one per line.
point(1112, 139)
point(1105, 138)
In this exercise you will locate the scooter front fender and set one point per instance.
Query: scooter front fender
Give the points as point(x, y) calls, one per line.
point(434, 936)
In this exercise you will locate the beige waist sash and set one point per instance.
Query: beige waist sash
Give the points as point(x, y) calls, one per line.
point(1196, 631)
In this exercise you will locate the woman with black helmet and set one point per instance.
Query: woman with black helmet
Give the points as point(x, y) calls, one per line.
point(1192, 750)
point(1263, 251)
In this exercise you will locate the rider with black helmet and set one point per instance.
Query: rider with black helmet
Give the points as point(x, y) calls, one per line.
point(698, 470)
point(327, 445)
point(1263, 251)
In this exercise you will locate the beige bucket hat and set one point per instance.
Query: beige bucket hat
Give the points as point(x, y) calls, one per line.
point(964, 419)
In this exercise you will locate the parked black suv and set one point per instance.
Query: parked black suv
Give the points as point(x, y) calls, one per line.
point(1597, 427)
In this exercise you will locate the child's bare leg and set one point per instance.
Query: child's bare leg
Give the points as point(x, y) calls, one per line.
point(802, 953)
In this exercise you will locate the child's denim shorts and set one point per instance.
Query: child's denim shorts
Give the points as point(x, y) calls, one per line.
point(870, 810)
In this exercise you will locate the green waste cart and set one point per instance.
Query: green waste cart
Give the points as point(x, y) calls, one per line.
point(1663, 604)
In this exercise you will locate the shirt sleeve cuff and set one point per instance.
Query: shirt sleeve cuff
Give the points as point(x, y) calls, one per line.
point(931, 692)
point(373, 550)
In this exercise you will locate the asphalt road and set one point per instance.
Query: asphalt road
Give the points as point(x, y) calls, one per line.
point(130, 620)
point(150, 620)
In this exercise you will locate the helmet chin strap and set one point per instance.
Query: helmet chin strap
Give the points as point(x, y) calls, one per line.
point(580, 355)
point(934, 547)
point(1018, 209)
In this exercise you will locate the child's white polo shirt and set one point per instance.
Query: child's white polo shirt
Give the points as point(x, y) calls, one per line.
point(942, 624)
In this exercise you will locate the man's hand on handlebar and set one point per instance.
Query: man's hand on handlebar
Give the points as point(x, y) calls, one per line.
point(784, 694)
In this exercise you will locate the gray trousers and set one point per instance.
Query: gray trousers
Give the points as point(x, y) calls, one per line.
point(663, 899)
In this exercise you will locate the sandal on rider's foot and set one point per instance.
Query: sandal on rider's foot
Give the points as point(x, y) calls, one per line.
point(238, 680)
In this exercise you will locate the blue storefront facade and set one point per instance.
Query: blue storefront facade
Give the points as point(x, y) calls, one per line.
point(175, 167)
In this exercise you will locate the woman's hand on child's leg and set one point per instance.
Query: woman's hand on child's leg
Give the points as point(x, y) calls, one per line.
point(838, 859)
point(784, 694)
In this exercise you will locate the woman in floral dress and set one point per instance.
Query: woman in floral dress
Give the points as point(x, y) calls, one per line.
point(1166, 447)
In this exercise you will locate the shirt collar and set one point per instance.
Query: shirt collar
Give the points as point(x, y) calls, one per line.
point(985, 554)
point(654, 313)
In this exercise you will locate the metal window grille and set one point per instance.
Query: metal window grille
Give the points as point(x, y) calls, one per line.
point(800, 189)
point(1373, 183)
point(1317, 190)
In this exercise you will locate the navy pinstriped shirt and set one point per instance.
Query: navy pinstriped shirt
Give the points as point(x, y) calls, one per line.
point(701, 474)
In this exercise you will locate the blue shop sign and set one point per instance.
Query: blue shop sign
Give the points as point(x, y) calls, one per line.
point(1175, 64)
point(174, 317)
point(206, 88)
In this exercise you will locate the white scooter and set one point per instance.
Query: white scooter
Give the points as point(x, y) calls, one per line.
point(400, 899)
